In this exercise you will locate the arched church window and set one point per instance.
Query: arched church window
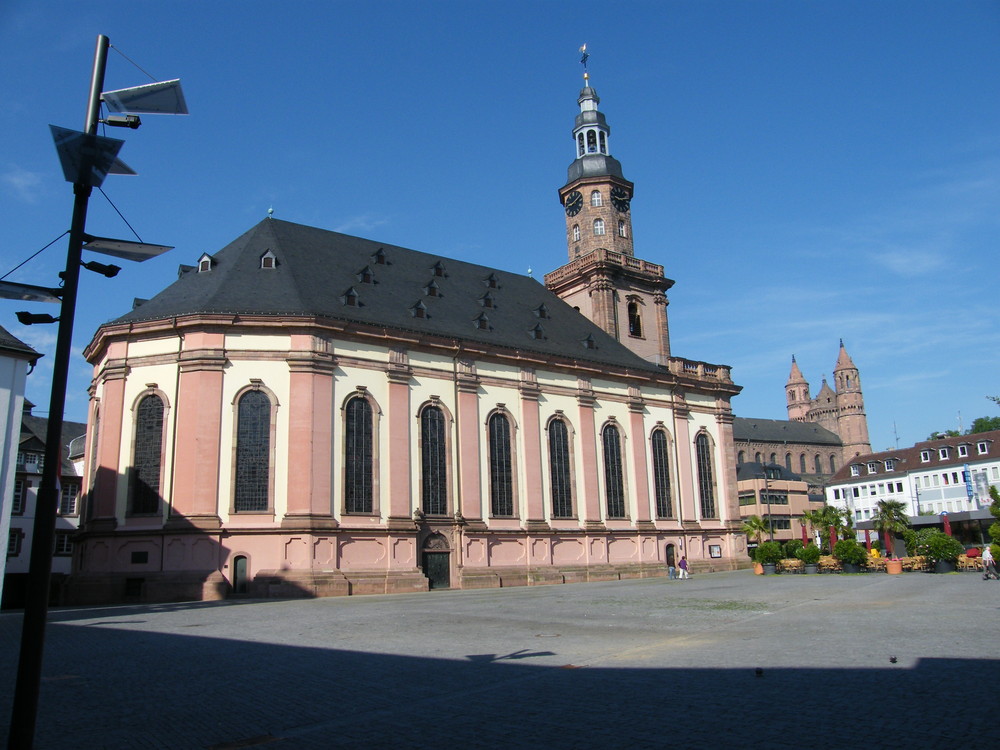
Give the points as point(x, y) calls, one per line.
point(661, 474)
point(614, 481)
point(144, 482)
point(598, 226)
point(740, 458)
point(433, 462)
point(833, 464)
point(591, 142)
point(501, 467)
point(559, 470)
point(579, 144)
point(774, 458)
point(634, 319)
point(756, 457)
point(817, 464)
point(595, 198)
point(576, 233)
point(802, 463)
point(788, 461)
point(622, 229)
point(358, 457)
point(706, 476)
point(253, 452)
point(604, 143)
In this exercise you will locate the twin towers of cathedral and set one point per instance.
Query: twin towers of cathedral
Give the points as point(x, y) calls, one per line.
point(627, 297)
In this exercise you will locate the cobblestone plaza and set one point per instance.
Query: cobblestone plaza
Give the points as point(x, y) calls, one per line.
point(727, 659)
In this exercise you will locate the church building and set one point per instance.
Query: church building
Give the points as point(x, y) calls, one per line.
point(306, 413)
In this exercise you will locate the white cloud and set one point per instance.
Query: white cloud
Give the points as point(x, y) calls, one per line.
point(22, 183)
point(361, 223)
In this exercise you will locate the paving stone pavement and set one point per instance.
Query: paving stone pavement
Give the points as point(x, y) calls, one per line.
point(735, 659)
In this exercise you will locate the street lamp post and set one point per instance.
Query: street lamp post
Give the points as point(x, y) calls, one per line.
point(767, 499)
point(86, 160)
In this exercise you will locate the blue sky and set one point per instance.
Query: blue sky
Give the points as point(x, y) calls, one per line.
point(805, 171)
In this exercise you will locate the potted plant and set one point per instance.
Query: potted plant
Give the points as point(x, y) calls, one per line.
point(890, 518)
point(943, 551)
point(850, 554)
point(755, 527)
point(768, 554)
point(809, 555)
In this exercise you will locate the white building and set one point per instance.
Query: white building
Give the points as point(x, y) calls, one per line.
point(949, 475)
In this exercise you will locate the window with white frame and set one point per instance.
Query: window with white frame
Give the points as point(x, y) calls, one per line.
point(925, 456)
point(982, 447)
point(872, 467)
point(595, 198)
point(963, 451)
point(576, 233)
point(64, 544)
point(17, 504)
point(890, 464)
point(14, 540)
point(67, 499)
point(943, 453)
point(598, 227)
point(855, 470)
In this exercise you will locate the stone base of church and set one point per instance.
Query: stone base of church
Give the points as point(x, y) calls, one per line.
point(476, 578)
point(149, 587)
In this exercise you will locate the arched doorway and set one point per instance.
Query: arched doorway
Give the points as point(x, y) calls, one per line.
point(671, 556)
point(437, 561)
point(239, 575)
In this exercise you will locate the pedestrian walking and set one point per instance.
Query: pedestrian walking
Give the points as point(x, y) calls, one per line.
point(683, 565)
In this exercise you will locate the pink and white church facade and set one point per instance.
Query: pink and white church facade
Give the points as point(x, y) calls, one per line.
point(305, 413)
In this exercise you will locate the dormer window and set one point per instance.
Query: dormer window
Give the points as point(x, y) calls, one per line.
point(438, 269)
point(432, 290)
point(486, 300)
point(855, 470)
point(890, 464)
point(492, 281)
point(378, 257)
point(365, 275)
point(419, 310)
point(205, 263)
point(589, 343)
point(482, 322)
point(925, 456)
point(537, 332)
point(268, 260)
point(963, 451)
point(350, 298)
point(872, 467)
point(943, 454)
point(542, 312)
point(982, 448)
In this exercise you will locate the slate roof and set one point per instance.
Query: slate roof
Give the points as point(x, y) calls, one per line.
point(754, 470)
point(316, 269)
point(782, 431)
point(14, 345)
point(33, 431)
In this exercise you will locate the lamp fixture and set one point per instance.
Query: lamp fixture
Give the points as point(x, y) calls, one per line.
point(28, 318)
point(122, 121)
point(106, 269)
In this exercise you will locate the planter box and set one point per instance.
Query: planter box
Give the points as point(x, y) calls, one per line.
point(945, 566)
point(770, 569)
point(850, 568)
point(811, 569)
point(894, 567)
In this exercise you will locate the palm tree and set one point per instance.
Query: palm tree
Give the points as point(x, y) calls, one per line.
point(754, 527)
point(890, 518)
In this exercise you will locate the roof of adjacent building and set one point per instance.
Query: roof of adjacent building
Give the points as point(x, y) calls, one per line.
point(11, 344)
point(34, 429)
point(748, 429)
point(754, 470)
point(316, 271)
point(908, 459)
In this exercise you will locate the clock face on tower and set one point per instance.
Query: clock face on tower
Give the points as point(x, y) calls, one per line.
point(574, 202)
point(620, 199)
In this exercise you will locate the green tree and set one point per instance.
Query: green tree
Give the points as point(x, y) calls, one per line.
point(755, 528)
point(984, 424)
point(890, 518)
point(947, 433)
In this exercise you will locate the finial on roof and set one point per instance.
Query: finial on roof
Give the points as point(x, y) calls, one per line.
point(841, 343)
point(529, 273)
point(793, 359)
point(270, 212)
point(583, 62)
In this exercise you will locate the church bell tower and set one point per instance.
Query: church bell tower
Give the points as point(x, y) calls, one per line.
point(603, 279)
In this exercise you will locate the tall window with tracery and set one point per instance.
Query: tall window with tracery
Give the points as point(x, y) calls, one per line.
point(501, 467)
point(559, 470)
point(358, 457)
point(145, 475)
point(614, 478)
point(433, 462)
point(661, 474)
point(706, 476)
point(253, 453)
